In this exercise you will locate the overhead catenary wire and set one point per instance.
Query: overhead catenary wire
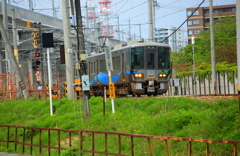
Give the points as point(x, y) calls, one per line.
point(183, 22)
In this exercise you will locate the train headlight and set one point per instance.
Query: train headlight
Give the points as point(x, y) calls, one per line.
point(162, 75)
point(138, 75)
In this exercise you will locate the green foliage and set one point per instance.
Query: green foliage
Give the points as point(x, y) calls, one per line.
point(225, 49)
point(166, 116)
point(70, 152)
point(30, 132)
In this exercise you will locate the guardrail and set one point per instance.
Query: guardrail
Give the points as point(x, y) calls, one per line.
point(50, 140)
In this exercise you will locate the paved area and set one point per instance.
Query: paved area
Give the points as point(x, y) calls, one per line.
point(10, 154)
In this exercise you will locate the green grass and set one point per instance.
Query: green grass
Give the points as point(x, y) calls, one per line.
point(168, 116)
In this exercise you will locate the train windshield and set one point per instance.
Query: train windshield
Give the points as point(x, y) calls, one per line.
point(150, 60)
point(163, 57)
point(136, 58)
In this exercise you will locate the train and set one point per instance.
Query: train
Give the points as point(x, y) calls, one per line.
point(139, 68)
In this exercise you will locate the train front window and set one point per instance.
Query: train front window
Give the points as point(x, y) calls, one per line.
point(163, 57)
point(136, 58)
point(150, 60)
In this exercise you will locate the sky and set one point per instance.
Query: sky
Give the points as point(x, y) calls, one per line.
point(170, 13)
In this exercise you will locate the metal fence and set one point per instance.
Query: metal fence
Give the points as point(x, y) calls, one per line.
point(52, 141)
point(188, 85)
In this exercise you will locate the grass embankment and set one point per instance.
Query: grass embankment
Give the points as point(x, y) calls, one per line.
point(179, 117)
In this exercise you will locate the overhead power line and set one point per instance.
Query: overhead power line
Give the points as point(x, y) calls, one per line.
point(183, 22)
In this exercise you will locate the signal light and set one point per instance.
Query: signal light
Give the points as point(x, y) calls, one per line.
point(37, 62)
point(37, 54)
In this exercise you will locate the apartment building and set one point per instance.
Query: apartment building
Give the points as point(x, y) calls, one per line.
point(200, 20)
point(175, 41)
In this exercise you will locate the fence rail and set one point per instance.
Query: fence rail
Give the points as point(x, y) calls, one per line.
point(53, 140)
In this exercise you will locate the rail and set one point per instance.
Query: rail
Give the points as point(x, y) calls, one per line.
point(49, 139)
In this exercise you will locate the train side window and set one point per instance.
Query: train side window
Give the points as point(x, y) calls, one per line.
point(164, 57)
point(97, 67)
point(116, 63)
point(91, 68)
point(137, 58)
point(103, 66)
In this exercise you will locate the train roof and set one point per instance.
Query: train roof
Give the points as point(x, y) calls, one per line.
point(134, 43)
point(137, 43)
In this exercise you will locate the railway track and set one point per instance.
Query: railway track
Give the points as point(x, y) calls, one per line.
point(210, 98)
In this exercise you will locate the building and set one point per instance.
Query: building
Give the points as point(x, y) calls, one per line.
point(201, 17)
point(175, 41)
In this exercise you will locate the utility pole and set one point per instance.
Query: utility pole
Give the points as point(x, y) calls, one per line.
point(15, 35)
point(68, 50)
point(150, 20)
point(31, 5)
point(129, 36)
point(118, 27)
point(153, 17)
point(238, 52)
point(53, 9)
point(213, 57)
point(5, 21)
point(140, 31)
point(22, 84)
point(82, 59)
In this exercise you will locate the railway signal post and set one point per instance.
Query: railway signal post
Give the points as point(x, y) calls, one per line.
point(108, 58)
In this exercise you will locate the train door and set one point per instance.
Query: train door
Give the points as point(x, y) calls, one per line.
point(151, 60)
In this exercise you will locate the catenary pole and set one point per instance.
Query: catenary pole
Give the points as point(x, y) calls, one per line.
point(22, 84)
point(81, 52)
point(68, 50)
point(14, 35)
point(213, 57)
point(238, 50)
point(5, 22)
point(153, 19)
point(150, 21)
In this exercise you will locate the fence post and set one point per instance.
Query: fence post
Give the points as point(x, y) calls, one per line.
point(40, 141)
point(92, 143)
point(8, 137)
point(31, 141)
point(207, 149)
point(23, 140)
point(119, 144)
point(224, 82)
point(16, 134)
point(209, 85)
point(235, 150)
point(228, 84)
point(219, 83)
point(59, 145)
point(49, 143)
point(234, 90)
point(149, 147)
point(189, 148)
point(132, 146)
point(166, 147)
point(106, 145)
point(81, 140)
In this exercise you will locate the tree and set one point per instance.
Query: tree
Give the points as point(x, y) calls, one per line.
point(225, 41)
point(225, 47)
